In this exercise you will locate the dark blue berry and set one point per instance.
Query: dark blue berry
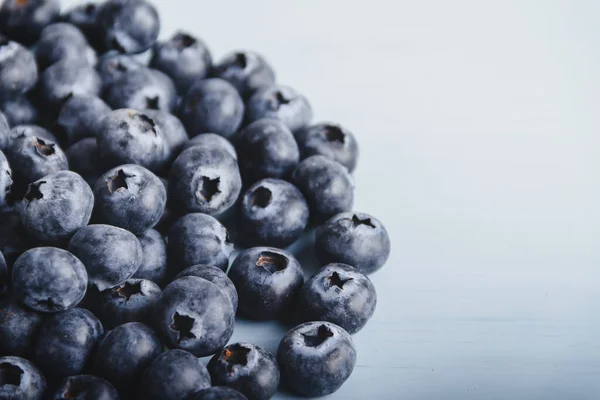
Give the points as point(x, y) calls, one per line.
point(20, 379)
point(21, 131)
point(211, 140)
point(85, 17)
point(172, 128)
point(247, 71)
point(19, 327)
point(131, 301)
point(85, 387)
point(14, 240)
point(84, 159)
point(18, 71)
point(219, 393)
point(216, 276)
point(329, 140)
point(154, 257)
point(4, 276)
point(113, 65)
point(281, 103)
point(62, 41)
point(23, 20)
point(19, 110)
point(142, 89)
point(80, 117)
point(67, 78)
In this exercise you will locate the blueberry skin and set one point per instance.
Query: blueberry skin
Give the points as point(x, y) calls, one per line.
point(198, 239)
point(173, 129)
point(14, 241)
point(329, 140)
point(316, 358)
point(131, 301)
point(19, 110)
point(247, 368)
point(4, 279)
point(62, 41)
point(129, 197)
point(85, 17)
point(267, 280)
point(20, 379)
point(57, 206)
point(216, 276)
point(131, 137)
point(4, 132)
point(247, 71)
point(272, 212)
point(194, 314)
point(219, 393)
point(66, 342)
point(184, 58)
point(111, 255)
point(340, 294)
point(211, 140)
point(266, 149)
point(84, 159)
point(113, 65)
point(326, 185)
point(24, 21)
point(154, 257)
point(81, 116)
point(5, 180)
point(357, 239)
point(204, 179)
point(125, 352)
point(212, 105)
point(174, 375)
point(128, 26)
point(85, 387)
point(66, 78)
point(49, 279)
point(141, 89)
point(19, 327)
point(21, 131)
point(18, 71)
point(281, 103)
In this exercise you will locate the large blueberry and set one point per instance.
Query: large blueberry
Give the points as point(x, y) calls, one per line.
point(32, 157)
point(198, 239)
point(23, 20)
point(19, 110)
point(174, 131)
point(281, 103)
point(266, 279)
point(5, 180)
point(174, 375)
point(113, 65)
point(195, 315)
point(85, 387)
point(84, 159)
point(246, 70)
point(357, 239)
point(154, 257)
point(219, 393)
point(80, 117)
point(247, 368)
point(66, 78)
point(142, 89)
point(316, 358)
point(49, 279)
point(19, 327)
point(111, 255)
point(131, 301)
point(18, 71)
point(20, 379)
point(216, 276)
point(62, 41)
point(329, 140)
point(211, 140)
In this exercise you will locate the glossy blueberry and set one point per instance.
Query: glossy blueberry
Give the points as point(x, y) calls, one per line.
point(154, 257)
point(19, 110)
point(62, 41)
point(18, 71)
point(23, 20)
point(80, 117)
point(4, 277)
point(125, 352)
point(173, 129)
point(49, 279)
point(198, 239)
point(247, 368)
point(111, 255)
point(174, 375)
point(194, 314)
point(5, 180)
point(357, 239)
point(184, 58)
point(113, 65)
point(219, 393)
point(329, 140)
point(66, 342)
point(20, 379)
point(266, 149)
point(57, 206)
point(85, 387)
point(266, 280)
point(130, 197)
point(247, 71)
point(19, 327)
point(85, 17)
point(211, 140)
point(281, 103)
point(67, 78)
point(131, 301)
point(316, 358)
point(21, 131)
point(216, 276)
point(131, 137)
point(326, 185)
point(272, 213)
point(84, 158)
point(142, 89)
point(212, 105)
point(204, 179)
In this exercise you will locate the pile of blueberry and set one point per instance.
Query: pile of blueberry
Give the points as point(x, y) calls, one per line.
point(117, 181)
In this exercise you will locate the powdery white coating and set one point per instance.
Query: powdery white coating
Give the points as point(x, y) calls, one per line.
point(18, 70)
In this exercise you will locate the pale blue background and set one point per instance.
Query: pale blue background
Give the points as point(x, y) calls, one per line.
point(479, 129)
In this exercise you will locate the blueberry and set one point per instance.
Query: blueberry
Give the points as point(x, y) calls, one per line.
point(125, 352)
point(113, 65)
point(198, 239)
point(4, 278)
point(216, 276)
point(154, 257)
point(204, 179)
point(131, 137)
point(247, 368)
point(19, 327)
point(4, 132)
point(19, 110)
point(195, 315)
point(24, 20)
point(57, 206)
point(14, 241)
point(326, 185)
point(211, 140)
point(272, 213)
point(340, 294)
point(66, 342)
point(111, 255)
point(81, 116)
point(174, 375)
point(173, 129)
point(131, 301)
point(85, 17)
point(85, 387)
point(316, 358)
point(266, 280)
point(18, 71)
point(21, 131)
point(184, 58)
point(67, 78)
point(49, 279)
point(212, 105)
point(329, 140)
point(84, 159)
point(219, 393)
point(142, 89)
point(62, 41)
point(20, 379)
point(246, 70)
point(357, 239)
point(128, 26)
point(281, 103)
point(130, 197)
point(5, 180)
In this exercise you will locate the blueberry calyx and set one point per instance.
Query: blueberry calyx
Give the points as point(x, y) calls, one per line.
point(118, 182)
point(235, 355)
point(278, 100)
point(183, 324)
point(358, 222)
point(323, 333)
point(90, 9)
point(272, 262)
point(152, 103)
point(130, 289)
point(182, 41)
point(210, 188)
point(10, 374)
point(47, 304)
point(33, 191)
point(43, 148)
point(334, 134)
point(336, 280)
point(147, 122)
point(261, 197)
point(241, 60)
